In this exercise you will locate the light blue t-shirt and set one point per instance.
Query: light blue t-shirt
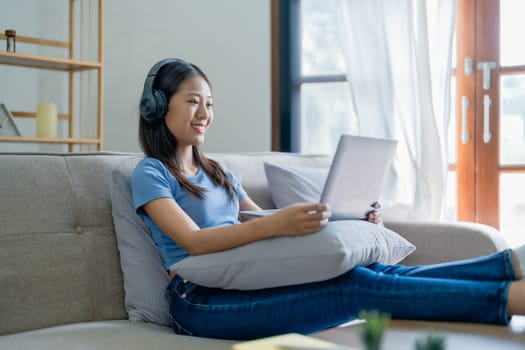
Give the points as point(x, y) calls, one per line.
point(152, 180)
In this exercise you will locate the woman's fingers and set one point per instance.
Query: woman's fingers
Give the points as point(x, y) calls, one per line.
point(313, 208)
point(306, 218)
point(373, 216)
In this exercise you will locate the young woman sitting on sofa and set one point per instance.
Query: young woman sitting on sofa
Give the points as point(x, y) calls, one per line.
point(191, 207)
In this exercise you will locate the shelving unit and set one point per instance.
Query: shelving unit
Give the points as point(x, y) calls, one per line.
point(70, 66)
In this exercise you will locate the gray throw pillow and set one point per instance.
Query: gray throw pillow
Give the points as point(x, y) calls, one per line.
point(295, 184)
point(337, 248)
point(145, 279)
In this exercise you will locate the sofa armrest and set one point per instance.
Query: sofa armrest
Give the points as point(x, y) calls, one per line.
point(446, 241)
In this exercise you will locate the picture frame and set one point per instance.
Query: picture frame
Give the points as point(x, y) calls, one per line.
point(8, 126)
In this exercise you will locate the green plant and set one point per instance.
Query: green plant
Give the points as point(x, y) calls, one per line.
point(372, 331)
point(433, 341)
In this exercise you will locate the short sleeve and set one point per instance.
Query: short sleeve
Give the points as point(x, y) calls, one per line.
point(149, 181)
point(241, 193)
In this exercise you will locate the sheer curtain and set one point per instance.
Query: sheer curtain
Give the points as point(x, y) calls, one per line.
point(398, 56)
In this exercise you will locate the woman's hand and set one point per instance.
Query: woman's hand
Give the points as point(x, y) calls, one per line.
point(299, 219)
point(374, 215)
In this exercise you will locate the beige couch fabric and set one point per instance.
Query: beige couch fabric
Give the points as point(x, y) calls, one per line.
point(57, 243)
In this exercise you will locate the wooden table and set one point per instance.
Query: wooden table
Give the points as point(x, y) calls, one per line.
point(402, 335)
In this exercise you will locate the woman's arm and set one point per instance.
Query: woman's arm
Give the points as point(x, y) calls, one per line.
point(296, 220)
point(248, 204)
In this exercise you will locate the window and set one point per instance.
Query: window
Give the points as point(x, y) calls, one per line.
point(314, 101)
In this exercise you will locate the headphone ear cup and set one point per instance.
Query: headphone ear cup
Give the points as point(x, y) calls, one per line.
point(153, 106)
point(162, 104)
point(147, 108)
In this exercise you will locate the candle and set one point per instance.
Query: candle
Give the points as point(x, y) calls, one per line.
point(46, 120)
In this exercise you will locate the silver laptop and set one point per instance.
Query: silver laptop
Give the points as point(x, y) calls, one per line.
point(356, 177)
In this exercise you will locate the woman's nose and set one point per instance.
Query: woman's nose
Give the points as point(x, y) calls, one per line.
point(202, 112)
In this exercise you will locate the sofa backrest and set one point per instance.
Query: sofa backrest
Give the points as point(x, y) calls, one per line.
point(60, 262)
point(58, 251)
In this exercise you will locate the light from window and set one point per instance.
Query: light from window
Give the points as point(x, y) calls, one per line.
point(512, 119)
point(512, 208)
point(512, 27)
point(326, 113)
point(320, 47)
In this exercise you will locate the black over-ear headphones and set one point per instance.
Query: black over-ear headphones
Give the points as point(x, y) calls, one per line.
point(153, 103)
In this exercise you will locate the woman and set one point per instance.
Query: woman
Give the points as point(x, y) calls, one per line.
point(191, 206)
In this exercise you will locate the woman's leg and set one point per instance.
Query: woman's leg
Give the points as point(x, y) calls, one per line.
point(501, 266)
point(516, 305)
point(311, 307)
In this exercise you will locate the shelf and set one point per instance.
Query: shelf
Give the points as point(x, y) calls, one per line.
point(38, 41)
point(43, 62)
point(33, 115)
point(60, 140)
point(70, 63)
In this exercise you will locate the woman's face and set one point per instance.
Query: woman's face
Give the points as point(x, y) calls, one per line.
point(190, 111)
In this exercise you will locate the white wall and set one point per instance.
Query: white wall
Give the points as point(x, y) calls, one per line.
point(228, 39)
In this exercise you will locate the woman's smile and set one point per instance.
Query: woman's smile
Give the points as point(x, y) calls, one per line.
point(199, 128)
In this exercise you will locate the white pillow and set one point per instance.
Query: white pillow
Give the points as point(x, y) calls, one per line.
point(295, 184)
point(337, 248)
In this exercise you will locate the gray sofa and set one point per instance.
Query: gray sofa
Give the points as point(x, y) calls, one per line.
point(60, 276)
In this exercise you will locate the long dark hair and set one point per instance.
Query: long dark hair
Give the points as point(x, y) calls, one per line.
point(157, 141)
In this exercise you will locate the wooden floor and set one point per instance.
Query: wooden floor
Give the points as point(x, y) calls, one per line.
point(461, 336)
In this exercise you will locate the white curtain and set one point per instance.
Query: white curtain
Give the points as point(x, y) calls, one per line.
point(398, 56)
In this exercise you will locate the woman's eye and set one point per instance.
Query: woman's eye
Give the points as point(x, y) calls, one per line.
point(209, 105)
point(195, 102)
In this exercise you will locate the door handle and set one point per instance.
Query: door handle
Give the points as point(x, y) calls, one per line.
point(464, 110)
point(486, 67)
point(468, 63)
point(486, 118)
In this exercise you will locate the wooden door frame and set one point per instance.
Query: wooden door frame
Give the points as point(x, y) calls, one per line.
point(477, 161)
point(487, 155)
point(466, 171)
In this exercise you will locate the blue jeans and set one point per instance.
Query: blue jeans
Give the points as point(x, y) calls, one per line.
point(473, 290)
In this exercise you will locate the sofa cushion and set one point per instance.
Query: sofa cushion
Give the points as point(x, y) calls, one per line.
point(145, 279)
point(57, 243)
point(280, 261)
point(121, 334)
